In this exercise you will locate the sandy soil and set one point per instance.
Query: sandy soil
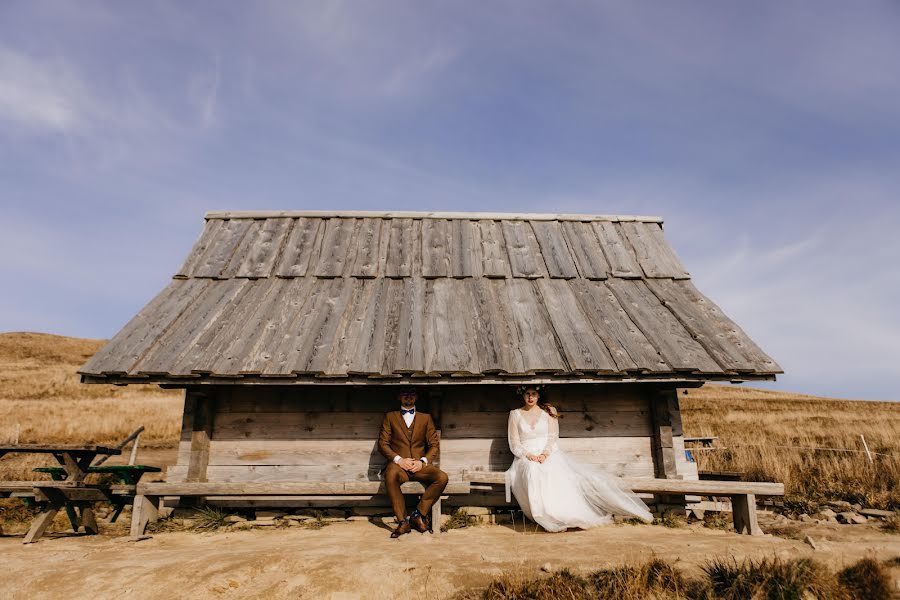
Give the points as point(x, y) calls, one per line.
point(356, 559)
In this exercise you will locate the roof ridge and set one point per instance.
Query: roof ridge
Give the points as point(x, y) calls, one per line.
point(390, 214)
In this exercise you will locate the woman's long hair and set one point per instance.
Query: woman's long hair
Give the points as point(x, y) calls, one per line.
point(543, 405)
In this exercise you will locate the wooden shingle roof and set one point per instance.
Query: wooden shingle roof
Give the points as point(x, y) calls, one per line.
point(297, 297)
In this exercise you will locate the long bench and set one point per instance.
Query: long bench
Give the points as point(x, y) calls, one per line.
point(149, 495)
point(742, 493)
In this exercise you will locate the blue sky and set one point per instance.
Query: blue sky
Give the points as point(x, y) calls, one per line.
point(767, 135)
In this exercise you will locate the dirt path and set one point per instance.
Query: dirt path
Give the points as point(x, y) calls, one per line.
point(356, 559)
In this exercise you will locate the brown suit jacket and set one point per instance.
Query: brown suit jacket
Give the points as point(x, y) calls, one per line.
point(422, 439)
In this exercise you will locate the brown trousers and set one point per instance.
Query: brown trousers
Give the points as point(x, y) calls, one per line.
point(433, 478)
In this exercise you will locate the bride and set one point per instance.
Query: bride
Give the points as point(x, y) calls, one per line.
point(553, 489)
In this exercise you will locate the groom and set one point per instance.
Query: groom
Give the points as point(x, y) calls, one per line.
point(411, 444)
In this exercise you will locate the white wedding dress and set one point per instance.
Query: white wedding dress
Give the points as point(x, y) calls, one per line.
point(561, 492)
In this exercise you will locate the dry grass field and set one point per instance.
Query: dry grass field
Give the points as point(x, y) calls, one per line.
point(774, 436)
point(43, 401)
point(764, 433)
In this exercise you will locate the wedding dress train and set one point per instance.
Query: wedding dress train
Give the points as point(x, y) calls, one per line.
point(561, 492)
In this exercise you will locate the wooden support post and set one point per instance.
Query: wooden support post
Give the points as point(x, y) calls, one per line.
point(88, 521)
point(743, 508)
point(145, 510)
point(42, 521)
point(202, 409)
point(663, 404)
point(436, 517)
point(40, 524)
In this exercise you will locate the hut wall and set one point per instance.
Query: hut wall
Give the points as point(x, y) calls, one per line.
point(330, 433)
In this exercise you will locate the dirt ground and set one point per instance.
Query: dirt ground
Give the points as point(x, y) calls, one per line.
point(356, 559)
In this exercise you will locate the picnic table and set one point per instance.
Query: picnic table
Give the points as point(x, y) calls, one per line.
point(68, 488)
point(706, 441)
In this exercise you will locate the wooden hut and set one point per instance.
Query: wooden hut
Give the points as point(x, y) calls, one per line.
point(290, 332)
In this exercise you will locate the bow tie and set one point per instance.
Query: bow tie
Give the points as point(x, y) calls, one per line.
point(411, 411)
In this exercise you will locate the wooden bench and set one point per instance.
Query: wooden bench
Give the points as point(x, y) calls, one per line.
point(148, 495)
point(742, 493)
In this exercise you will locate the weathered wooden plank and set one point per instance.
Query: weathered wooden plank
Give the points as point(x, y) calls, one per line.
point(226, 337)
point(242, 250)
point(368, 244)
point(671, 486)
point(336, 243)
point(554, 249)
point(494, 332)
point(254, 320)
point(297, 425)
point(449, 337)
point(537, 342)
point(264, 249)
point(376, 399)
point(299, 248)
point(409, 354)
point(390, 327)
point(219, 253)
point(721, 337)
point(663, 405)
point(202, 346)
point(360, 214)
point(655, 255)
point(403, 244)
point(659, 325)
point(360, 340)
point(584, 350)
point(597, 398)
point(626, 343)
point(465, 254)
point(181, 338)
point(210, 229)
point(286, 355)
point(276, 326)
point(521, 246)
point(313, 357)
point(621, 259)
point(204, 408)
point(435, 248)
point(127, 347)
point(586, 249)
point(285, 487)
point(493, 250)
point(574, 424)
point(296, 452)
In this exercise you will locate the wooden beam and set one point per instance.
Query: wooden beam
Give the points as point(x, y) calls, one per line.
point(362, 214)
point(663, 406)
point(284, 488)
point(675, 486)
point(404, 379)
point(202, 410)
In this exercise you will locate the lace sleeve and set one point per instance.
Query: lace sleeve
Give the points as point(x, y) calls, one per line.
point(552, 436)
point(512, 430)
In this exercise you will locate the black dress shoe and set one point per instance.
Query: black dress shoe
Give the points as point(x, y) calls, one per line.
point(419, 523)
point(402, 528)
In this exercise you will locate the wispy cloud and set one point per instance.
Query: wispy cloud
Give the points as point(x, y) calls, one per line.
point(42, 95)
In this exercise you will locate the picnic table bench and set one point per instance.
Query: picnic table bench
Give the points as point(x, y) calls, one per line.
point(742, 493)
point(149, 495)
point(71, 491)
point(125, 474)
